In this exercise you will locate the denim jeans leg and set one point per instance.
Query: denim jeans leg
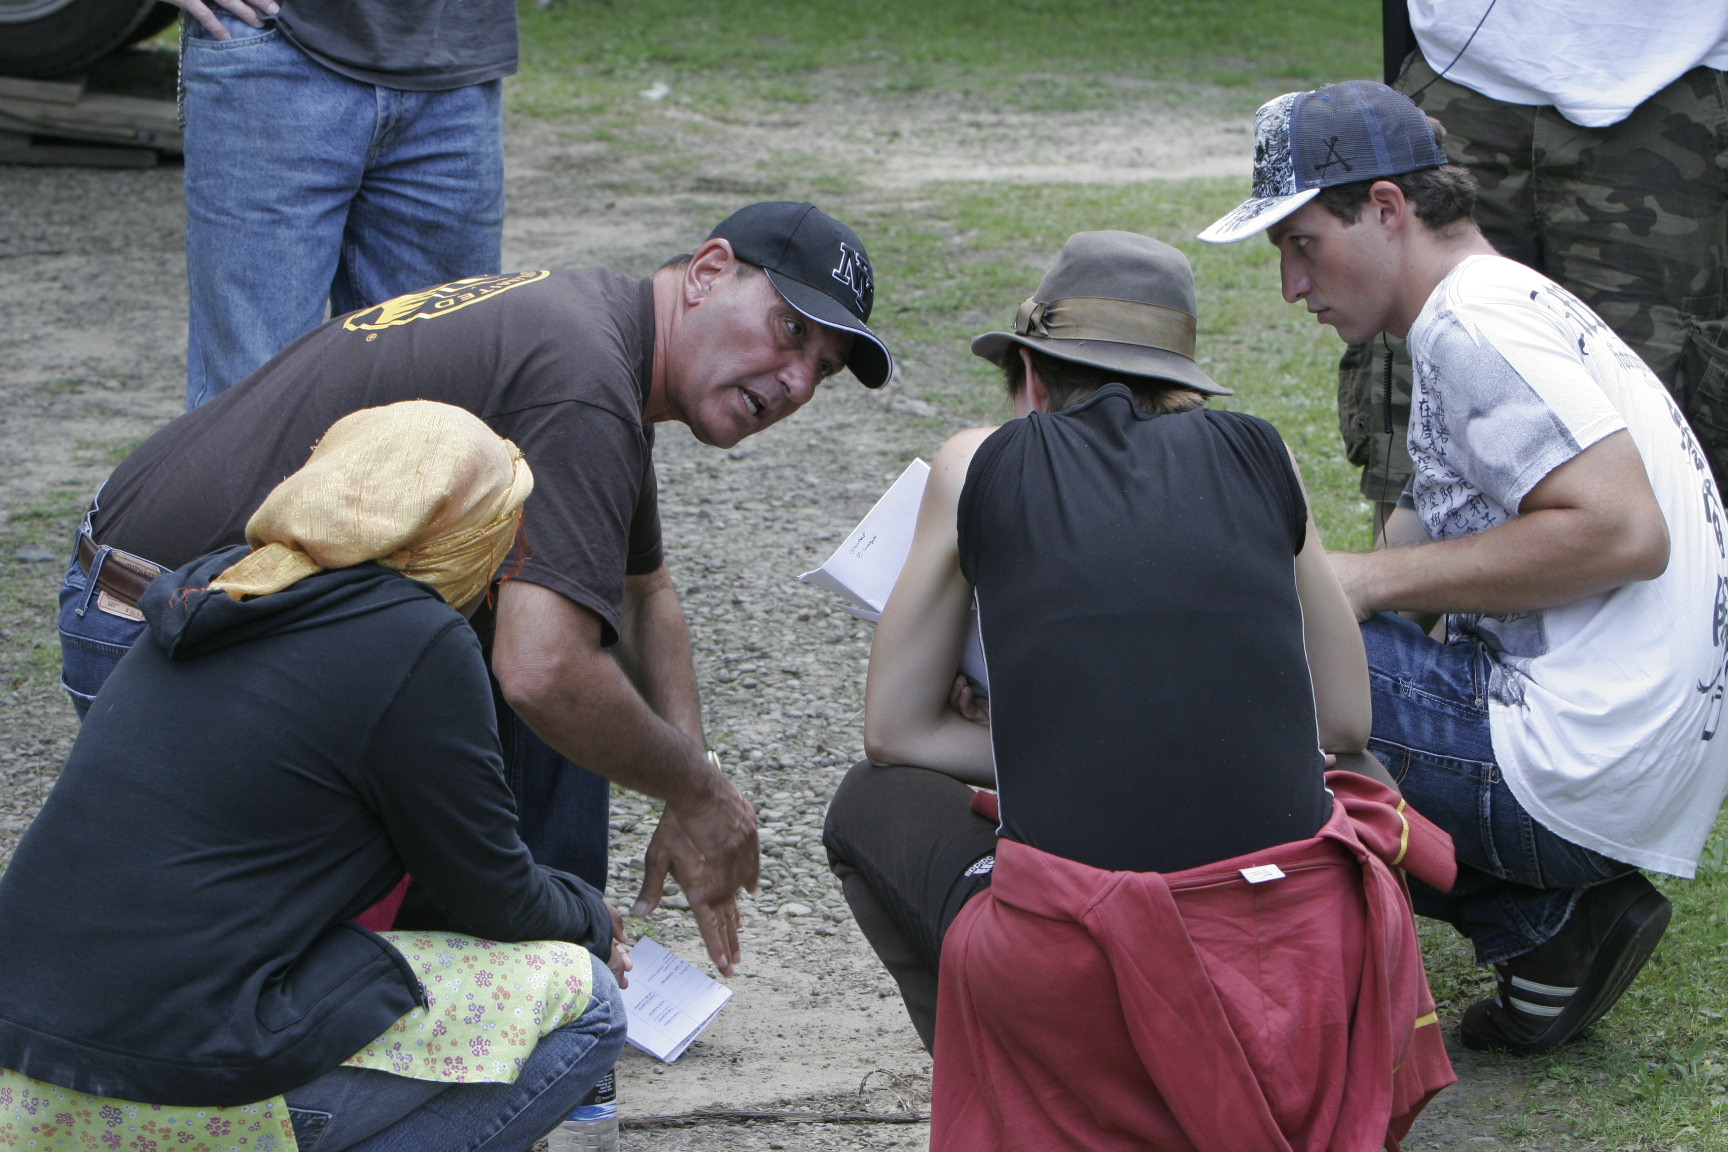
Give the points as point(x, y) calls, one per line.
point(92, 639)
point(276, 145)
point(430, 208)
point(1517, 881)
point(306, 189)
point(362, 1110)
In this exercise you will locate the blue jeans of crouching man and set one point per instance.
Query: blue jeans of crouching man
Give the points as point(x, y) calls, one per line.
point(1517, 881)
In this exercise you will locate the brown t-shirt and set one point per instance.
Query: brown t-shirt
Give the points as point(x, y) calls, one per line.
point(559, 362)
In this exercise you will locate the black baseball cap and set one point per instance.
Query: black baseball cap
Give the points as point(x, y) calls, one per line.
point(818, 265)
point(1338, 134)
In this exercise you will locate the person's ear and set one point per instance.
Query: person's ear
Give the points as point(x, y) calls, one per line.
point(1036, 393)
point(1388, 204)
point(714, 260)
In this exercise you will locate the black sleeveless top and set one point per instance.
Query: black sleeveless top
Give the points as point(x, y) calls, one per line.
point(1151, 708)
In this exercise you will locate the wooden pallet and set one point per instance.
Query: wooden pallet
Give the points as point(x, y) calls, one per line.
point(85, 127)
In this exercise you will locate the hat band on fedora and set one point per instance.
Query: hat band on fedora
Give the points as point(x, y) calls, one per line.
point(1101, 318)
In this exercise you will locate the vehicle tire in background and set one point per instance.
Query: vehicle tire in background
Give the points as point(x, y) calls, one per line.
point(51, 37)
point(154, 21)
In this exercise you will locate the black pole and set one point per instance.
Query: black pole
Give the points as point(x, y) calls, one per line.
point(1396, 39)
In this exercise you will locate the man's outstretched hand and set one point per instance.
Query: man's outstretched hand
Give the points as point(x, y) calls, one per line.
point(710, 849)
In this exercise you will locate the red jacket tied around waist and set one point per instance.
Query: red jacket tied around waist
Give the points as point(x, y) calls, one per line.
point(1196, 1011)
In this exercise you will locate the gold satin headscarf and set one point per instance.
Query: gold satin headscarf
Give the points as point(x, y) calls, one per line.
point(421, 487)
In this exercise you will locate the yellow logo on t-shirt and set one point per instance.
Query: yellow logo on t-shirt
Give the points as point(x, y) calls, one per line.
point(439, 301)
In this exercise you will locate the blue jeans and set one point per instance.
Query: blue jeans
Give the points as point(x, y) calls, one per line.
point(1517, 881)
point(93, 637)
point(304, 187)
point(370, 1111)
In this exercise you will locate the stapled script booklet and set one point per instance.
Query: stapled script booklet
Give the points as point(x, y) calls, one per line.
point(669, 1002)
point(868, 562)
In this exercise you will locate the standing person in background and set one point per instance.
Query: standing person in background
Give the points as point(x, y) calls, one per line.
point(337, 154)
point(1597, 131)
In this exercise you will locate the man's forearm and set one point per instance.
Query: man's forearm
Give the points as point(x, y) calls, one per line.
point(1539, 560)
point(578, 698)
point(608, 728)
point(655, 652)
point(1589, 526)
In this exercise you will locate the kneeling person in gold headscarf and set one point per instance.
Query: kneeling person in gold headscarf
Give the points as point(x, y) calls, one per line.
point(308, 721)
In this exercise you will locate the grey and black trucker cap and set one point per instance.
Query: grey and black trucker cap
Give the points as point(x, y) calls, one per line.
point(1339, 134)
point(818, 265)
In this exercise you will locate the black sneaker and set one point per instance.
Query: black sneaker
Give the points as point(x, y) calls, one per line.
point(1551, 993)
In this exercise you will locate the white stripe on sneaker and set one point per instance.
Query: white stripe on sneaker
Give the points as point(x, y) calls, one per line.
point(1524, 985)
point(1535, 1009)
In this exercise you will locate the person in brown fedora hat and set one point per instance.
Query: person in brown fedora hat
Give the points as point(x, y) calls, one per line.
point(1118, 303)
point(1171, 666)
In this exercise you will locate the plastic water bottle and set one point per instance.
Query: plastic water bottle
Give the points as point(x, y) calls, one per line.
point(593, 1126)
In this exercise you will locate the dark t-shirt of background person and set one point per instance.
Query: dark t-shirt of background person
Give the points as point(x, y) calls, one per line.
point(428, 46)
point(558, 362)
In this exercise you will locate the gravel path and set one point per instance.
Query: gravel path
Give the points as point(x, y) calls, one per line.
point(91, 359)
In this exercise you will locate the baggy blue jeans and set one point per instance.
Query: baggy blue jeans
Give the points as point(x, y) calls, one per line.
point(305, 188)
point(363, 1110)
point(1517, 881)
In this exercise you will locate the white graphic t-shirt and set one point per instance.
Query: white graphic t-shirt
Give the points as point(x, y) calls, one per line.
point(1604, 712)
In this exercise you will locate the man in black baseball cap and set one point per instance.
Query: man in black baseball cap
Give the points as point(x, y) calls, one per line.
point(575, 367)
point(819, 266)
point(773, 303)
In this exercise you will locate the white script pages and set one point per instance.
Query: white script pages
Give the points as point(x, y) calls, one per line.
point(868, 562)
point(669, 1002)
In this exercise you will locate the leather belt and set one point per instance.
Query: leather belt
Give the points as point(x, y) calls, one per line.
point(123, 575)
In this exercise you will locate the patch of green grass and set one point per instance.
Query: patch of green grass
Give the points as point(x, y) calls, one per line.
point(1653, 1073)
point(108, 452)
point(29, 645)
point(581, 58)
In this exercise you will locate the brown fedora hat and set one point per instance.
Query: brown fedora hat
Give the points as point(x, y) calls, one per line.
point(1114, 300)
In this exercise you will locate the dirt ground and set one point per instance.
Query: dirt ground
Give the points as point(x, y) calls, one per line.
point(92, 317)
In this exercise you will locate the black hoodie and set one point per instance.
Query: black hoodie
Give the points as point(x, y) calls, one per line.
point(174, 926)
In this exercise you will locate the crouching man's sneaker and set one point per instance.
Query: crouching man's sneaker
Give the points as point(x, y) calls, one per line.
point(1551, 993)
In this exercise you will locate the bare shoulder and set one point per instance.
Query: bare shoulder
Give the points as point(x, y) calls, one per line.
point(955, 456)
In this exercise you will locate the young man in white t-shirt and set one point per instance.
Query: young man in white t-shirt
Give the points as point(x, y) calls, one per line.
point(1563, 518)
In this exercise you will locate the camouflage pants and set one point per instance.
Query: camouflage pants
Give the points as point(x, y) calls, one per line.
point(1631, 218)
